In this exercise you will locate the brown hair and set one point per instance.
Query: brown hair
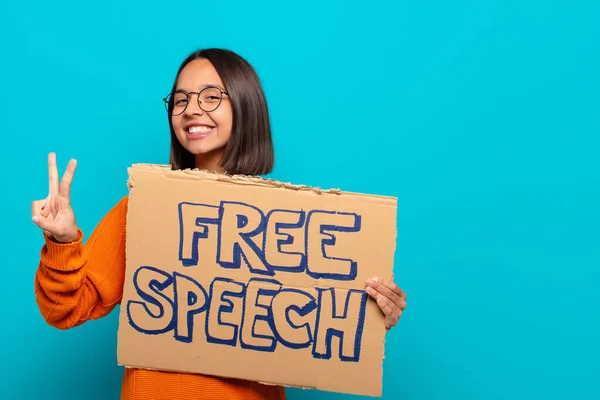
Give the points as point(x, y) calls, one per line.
point(249, 150)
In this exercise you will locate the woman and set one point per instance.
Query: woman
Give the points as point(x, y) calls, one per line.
point(219, 121)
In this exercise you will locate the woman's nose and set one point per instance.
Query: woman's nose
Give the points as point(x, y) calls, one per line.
point(193, 106)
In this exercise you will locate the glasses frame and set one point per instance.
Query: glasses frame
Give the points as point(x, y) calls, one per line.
point(168, 99)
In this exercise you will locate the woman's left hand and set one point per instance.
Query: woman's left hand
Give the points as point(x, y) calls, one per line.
point(390, 298)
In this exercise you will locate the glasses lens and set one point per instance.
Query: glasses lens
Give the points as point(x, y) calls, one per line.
point(180, 101)
point(209, 99)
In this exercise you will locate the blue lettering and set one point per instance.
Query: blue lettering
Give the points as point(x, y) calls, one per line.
point(190, 299)
point(242, 223)
point(269, 314)
point(346, 326)
point(257, 323)
point(274, 242)
point(149, 283)
point(301, 304)
point(276, 237)
point(194, 222)
point(320, 264)
point(221, 324)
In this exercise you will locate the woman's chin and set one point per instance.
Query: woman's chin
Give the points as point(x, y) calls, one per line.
point(199, 148)
point(208, 157)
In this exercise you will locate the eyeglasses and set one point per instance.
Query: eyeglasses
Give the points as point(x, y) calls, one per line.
point(209, 99)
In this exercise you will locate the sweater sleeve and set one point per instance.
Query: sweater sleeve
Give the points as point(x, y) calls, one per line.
point(76, 282)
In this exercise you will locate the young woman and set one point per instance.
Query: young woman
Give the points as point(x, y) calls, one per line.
point(219, 121)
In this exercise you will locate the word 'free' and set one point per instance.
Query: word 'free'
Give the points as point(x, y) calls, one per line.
point(238, 226)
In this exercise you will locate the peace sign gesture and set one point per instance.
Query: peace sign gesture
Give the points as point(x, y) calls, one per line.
point(54, 214)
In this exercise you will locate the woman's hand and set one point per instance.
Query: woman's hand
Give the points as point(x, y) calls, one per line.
point(390, 298)
point(54, 214)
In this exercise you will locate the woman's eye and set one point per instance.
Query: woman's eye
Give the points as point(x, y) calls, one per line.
point(180, 101)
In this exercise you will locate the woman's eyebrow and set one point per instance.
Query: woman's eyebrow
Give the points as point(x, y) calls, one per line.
point(202, 87)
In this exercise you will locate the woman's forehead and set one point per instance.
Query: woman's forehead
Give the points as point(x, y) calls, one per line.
point(197, 75)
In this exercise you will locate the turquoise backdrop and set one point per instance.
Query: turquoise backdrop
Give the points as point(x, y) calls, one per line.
point(482, 117)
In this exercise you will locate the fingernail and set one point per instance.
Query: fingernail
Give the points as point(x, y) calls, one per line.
point(35, 219)
point(369, 281)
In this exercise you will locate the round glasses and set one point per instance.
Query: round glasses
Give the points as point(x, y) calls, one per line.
point(209, 99)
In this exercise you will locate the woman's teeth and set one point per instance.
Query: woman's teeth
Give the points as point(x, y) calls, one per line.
point(200, 129)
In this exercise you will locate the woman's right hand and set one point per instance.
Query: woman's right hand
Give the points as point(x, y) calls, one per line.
point(54, 215)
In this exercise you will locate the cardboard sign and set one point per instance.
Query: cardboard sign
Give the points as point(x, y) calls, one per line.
point(254, 279)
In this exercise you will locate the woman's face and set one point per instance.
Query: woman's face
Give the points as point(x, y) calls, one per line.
point(202, 133)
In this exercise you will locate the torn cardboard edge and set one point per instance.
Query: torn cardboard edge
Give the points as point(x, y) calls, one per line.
point(240, 179)
point(267, 383)
point(262, 382)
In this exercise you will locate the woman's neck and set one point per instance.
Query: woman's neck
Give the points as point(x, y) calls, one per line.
point(210, 161)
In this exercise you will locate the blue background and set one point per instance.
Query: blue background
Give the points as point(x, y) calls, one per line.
point(480, 116)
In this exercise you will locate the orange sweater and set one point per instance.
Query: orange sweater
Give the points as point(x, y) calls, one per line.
point(76, 283)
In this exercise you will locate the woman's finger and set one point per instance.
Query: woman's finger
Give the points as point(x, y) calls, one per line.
point(52, 175)
point(394, 288)
point(388, 289)
point(386, 306)
point(47, 207)
point(65, 184)
point(36, 207)
point(46, 224)
point(391, 311)
point(390, 322)
point(41, 207)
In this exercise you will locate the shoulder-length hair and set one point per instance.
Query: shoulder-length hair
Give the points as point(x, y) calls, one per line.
point(249, 150)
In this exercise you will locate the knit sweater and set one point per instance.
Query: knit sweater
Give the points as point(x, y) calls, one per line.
point(77, 282)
